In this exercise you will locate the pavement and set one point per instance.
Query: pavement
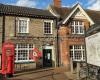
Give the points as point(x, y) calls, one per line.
point(43, 74)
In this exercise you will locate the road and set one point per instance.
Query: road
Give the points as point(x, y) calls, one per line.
point(48, 74)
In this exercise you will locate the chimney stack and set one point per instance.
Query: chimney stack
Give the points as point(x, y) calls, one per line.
point(57, 3)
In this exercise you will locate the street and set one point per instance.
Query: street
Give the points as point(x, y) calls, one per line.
point(45, 74)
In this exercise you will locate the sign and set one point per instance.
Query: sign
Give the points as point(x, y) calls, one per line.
point(93, 49)
point(35, 54)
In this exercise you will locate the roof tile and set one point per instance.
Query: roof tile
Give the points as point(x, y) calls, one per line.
point(24, 11)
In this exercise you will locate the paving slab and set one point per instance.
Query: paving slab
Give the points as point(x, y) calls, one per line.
point(49, 74)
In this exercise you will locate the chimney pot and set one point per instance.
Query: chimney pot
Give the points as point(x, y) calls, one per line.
point(57, 3)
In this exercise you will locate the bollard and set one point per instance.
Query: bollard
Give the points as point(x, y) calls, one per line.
point(78, 69)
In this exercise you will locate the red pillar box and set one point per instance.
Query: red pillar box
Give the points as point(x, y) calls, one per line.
point(8, 58)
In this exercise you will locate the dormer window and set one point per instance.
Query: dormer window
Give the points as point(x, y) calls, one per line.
point(23, 25)
point(77, 27)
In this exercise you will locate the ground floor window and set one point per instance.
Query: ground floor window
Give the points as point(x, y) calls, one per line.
point(22, 52)
point(77, 52)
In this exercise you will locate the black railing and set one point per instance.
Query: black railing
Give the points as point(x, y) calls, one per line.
point(24, 66)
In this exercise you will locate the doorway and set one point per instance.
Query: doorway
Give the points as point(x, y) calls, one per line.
point(47, 57)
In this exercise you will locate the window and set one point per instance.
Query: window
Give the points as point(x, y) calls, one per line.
point(23, 24)
point(47, 27)
point(22, 52)
point(77, 53)
point(77, 27)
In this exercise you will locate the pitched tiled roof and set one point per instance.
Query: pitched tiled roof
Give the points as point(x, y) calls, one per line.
point(65, 11)
point(93, 28)
point(95, 15)
point(62, 11)
point(24, 11)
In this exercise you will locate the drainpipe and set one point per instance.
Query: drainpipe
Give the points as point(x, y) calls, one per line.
point(58, 47)
point(3, 29)
point(3, 34)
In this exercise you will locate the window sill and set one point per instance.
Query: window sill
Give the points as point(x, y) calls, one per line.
point(78, 60)
point(77, 33)
point(24, 61)
point(48, 33)
point(23, 34)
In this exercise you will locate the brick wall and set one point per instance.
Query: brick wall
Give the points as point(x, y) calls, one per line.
point(9, 27)
point(35, 29)
point(66, 39)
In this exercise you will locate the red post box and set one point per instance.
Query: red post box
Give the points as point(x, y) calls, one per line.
point(8, 58)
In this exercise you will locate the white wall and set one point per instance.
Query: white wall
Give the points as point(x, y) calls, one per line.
point(93, 49)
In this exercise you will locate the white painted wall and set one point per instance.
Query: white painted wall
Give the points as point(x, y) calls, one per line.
point(93, 49)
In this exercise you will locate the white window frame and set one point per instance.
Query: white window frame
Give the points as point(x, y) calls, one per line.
point(51, 22)
point(28, 60)
point(26, 19)
point(82, 53)
point(79, 26)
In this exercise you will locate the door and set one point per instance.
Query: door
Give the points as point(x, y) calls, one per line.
point(47, 57)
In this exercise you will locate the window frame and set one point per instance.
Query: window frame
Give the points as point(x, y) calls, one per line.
point(28, 49)
point(25, 19)
point(82, 50)
point(78, 26)
point(51, 22)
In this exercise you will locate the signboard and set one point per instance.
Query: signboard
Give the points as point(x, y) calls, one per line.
point(93, 49)
point(35, 54)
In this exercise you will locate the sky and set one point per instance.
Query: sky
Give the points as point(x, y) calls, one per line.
point(42, 4)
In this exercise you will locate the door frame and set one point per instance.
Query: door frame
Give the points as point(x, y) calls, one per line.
point(53, 55)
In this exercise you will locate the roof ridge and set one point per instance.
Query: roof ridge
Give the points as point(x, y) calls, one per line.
point(92, 10)
point(24, 11)
point(72, 7)
point(21, 6)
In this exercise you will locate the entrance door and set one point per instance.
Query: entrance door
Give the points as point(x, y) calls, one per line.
point(47, 57)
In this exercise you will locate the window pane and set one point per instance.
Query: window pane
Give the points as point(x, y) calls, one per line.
point(22, 52)
point(72, 29)
point(77, 52)
point(81, 29)
point(47, 27)
point(77, 27)
point(23, 26)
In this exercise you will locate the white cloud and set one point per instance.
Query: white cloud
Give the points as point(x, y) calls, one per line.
point(26, 3)
point(95, 5)
point(90, 2)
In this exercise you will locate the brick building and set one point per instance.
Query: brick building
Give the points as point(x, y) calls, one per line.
point(29, 28)
point(73, 22)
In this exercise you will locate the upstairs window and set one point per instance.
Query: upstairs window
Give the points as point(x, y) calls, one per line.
point(77, 27)
point(48, 27)
point(23, 25)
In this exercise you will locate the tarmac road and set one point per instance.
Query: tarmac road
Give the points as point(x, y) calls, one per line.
point(49, 74)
